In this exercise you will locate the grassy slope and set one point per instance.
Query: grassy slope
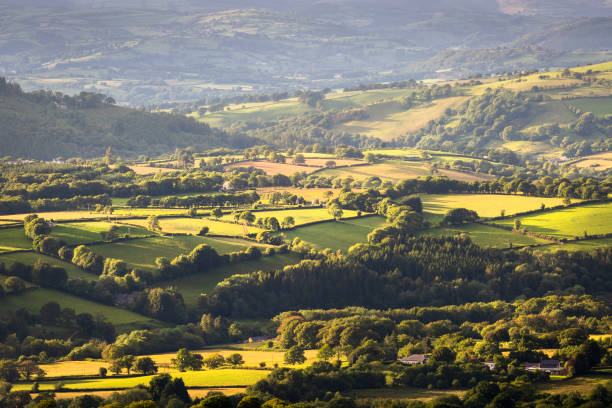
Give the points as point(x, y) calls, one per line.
point(568, 222)
point(30, 258)
point(336, 235)
point(191, 286)
point(32, 300)
point(486, 205)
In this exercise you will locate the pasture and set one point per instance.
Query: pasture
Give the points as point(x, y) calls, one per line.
point(403, 393)
point(56, 215)
point(336, 234)
point(486, 205)
point(12, 239)
point(583, 245)
point(141, 253)
point(85, 232)
point(594, 219)
point(192, 286)
point(301, 215)
point(194, 225)
point(309, 194)
point(598, 106)
point(486, 236)
point(32, 300)
point(30, 258)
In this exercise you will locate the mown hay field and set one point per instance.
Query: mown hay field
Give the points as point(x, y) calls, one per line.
point(594, 219)
point(336, 234)
point(391, 170)
point(486, 205)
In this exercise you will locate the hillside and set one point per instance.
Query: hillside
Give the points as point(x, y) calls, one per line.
point(558, 113)
point(46, 125)
point(146, 53)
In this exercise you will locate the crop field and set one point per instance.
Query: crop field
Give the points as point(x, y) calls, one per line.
point(141, 253)
point(486, 236)
point(194, 225)
point(598, 106)
point(80, 233)
point(192, 285)
point(145, 212)
point(143, 169)
point(595, 219)
point(597, 164)
point(391, 170)
point(12, 239)
point(30, 258)
point(32, 300)
point(301, 216)
point(210, 378)
point(395, 152)
point(486, 205)
point(336, 234)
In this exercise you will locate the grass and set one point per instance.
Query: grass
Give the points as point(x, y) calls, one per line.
point(309, 194)
point(486, 236)
point(80, 233)
point(598, 106)
point(578, 245)
point(193, 285)
point(583, 384)
point(301, 215)
point(194, 225)
point(568, 222)
point(336, 235)
point(210, 378)
point(486, 205)
point(56, 215)
point(30, 258)
point(12, 239)
point(141, 253)
point(32, 300)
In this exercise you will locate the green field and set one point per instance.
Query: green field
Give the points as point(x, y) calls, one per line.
point(12, 239)
point(191, 286)
point(85, 232)
point(336, 235)
point(211, 378)
point(578, 245)
point(30, 258)
point(32, 300)
point(598, 106)
point(595, 219)
point(194, 225)
point(486, 205)
point(486, 236)
point(141, 253)
point(301, 216)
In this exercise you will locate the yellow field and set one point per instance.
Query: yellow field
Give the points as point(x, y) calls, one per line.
point(309, 194)
point(193, 392)
point(301, 216)
point(194, 225)
point(252, 358)
point(403, 393)
point(486, 205)
point(600, 164)
point(56, 215)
